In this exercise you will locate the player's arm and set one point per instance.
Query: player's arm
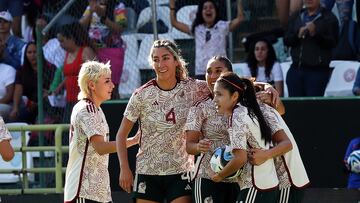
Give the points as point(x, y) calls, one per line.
point(282, 145)
point(194, 144)
point(131, 141)
point(192, 140)
point(239, 160)
point(126, 177)
point(6, 150)
point(270, 96)
point(102, 147)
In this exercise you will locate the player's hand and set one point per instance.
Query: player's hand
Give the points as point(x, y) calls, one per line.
point(216, 178)
point(275, 98)
point(264, 97)
point(204, 145)
point(126, 179)
point(257, 156)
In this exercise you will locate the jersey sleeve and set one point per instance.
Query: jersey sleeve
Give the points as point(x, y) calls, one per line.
point(195, 119)
point(277, 72)
point(201, 92)
point(90, 123)
point(4, 132)
point(239, 133)
point(133, 108)
point(271, 118)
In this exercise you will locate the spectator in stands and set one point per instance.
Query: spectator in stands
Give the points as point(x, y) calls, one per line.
point(6, 150)
point(6, 85)
point(209, 31)
point(312, 34)
point(356, 88)
point(26, 85)
point(105, 23)
point(14, 45)
point(74, 40)
point(15, 8)
point(262, 65)
point(354, 178)
point(286, 8)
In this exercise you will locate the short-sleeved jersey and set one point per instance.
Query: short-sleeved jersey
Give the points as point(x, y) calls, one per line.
point(289, 167)
point(4, 132)
point(87, 173)
point(244, 134)
point(162, 117)
point(203, 117)
point(215, 45)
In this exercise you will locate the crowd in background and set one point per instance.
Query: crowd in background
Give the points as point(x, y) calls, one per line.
point(312, 33)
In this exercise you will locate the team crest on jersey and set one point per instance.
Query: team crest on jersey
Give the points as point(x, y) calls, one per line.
point(208, 199)
point(142, 187)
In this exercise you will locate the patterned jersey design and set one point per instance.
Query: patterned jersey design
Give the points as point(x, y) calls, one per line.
point(244, 133)
point(275, 125)
point(4, 133)
point(204, 118)
point(162, 116)
point(87, 173)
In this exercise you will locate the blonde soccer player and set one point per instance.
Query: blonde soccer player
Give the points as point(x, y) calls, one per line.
point(87, 175)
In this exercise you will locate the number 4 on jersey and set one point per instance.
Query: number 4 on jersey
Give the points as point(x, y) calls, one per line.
point(171, 116)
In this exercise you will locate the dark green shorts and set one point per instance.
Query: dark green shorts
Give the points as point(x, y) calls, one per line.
point(159, 188)
point(252, 195)
point(291, 195)
point(205, 190)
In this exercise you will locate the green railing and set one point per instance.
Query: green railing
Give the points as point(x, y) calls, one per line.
point(58, 169)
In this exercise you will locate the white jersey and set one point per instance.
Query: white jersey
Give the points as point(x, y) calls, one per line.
point(289, 167)
point(87, 174)
point(162, 116)
point(4, 132)
point(216, 44)
point(244, 134)
point(204, 118)
point(275, 74)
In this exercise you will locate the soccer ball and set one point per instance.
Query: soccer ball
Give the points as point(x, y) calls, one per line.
point(354, 161)
point(219, 159)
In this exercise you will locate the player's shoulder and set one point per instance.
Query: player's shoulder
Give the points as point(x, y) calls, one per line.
point(204, 102)
point(85, 106)
point(145, 87)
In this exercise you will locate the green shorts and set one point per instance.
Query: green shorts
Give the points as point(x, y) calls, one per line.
point(253, 195)
point(205, 190)
point(291, 195)
point(159, 188)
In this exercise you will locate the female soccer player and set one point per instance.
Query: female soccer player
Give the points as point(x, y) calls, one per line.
point(289, 166)
point(87, 176)
point(161, 106)
point(248, 130)
point(6, 150)
point(205, 131)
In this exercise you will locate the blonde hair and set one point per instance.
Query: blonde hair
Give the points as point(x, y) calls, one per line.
point(91, 71)
point(181, 71)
